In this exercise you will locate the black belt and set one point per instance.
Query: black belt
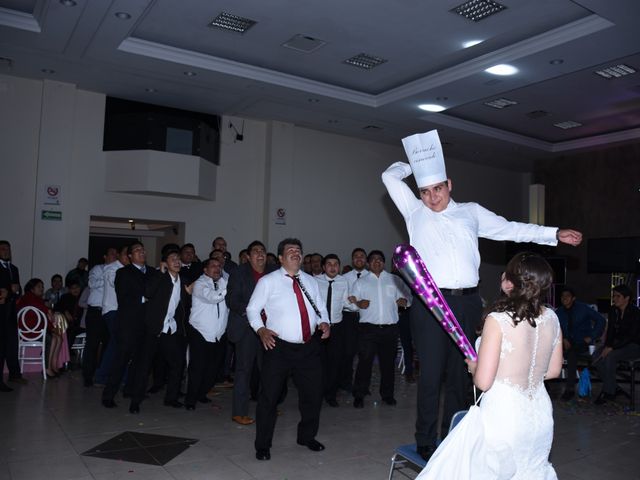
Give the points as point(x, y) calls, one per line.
point(458, 292)
point(377, 325)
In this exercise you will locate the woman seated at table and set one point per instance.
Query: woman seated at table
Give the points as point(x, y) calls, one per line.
point(33, 297)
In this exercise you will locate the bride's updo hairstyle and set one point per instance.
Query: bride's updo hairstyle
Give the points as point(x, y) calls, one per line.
point(532, 277)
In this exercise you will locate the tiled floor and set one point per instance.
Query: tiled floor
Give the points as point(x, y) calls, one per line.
point(44, 429)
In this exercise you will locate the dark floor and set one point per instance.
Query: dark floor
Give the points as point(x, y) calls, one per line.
point(52, 431)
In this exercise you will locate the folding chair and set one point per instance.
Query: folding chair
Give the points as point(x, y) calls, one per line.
point(32, 338)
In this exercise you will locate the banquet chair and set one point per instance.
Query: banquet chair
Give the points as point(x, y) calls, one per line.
point(78, 345)
point(407, 454)
point(32, 339)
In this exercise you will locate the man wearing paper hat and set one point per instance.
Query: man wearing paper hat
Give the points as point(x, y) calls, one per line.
point(445, 234)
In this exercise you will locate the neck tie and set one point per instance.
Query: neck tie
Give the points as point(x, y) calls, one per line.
point(358, 274)
point(143, 269)
point(304, 315)
point(215, 286)
point(329, 298)
point(7, 265)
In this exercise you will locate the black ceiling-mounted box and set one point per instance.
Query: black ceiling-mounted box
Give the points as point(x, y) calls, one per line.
point(130, 125)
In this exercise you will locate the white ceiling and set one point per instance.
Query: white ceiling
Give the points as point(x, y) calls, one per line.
point(253, 75)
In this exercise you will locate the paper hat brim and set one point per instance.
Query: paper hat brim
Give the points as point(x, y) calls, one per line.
point(424, 152)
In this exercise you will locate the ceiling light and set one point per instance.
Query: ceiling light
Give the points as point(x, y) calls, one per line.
point(189, 73)
point(372, 128)
point(122, 15)
point(556, 61)
point(477, 10)
point(332, 121)
point(150, 90)
point(48, 71)
point(304, 43)
point(502, 69)
point(366, 61)
point(537, 114)
point(313, 100)
point(430, 107)
point(234, 23)
point(567, 125)
point(616, 71)
point(471, 43)
point(500, 103)
point(68, 3)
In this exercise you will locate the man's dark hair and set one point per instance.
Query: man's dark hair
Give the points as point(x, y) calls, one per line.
point(330, 256)
point(569, 289)
point(164, 253)
point(207, 261)
point(316, 254)
point(216, 239)
point(5, 242)
point(376, 252)
point(169, 251)
point(131, 246)
point(31, 284)
point(56, 275)
point(106, 250)
point(82, 259)
point(216, 250)
point(358, 249)
point(255, 243)
point(623, 290)
point(288, 241)
point(187, 245)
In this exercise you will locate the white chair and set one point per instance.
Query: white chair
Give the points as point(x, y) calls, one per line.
point(78, 346)
point(32, 338)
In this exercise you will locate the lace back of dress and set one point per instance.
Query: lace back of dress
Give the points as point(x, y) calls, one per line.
point(526, 351)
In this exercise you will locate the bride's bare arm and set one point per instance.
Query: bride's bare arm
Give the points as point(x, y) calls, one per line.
point(488, 355)
point(555, 365)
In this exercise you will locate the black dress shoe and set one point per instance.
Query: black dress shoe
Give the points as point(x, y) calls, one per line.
point(174, 404)
point(204, 400)
point(425, 451)
point(263, 454)
point(313, 445)
point(134, 408)
point(190, 407)
point(390, 401)
point(332, 402)
point(5, 388)
point(109, 404)
point(358, 403)
point(604, 398)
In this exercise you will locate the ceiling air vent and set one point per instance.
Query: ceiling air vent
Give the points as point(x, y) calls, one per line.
point(567, 125)
point(304, 43)
point(616, 71)
point(500, 103)
point(365, 61)
point(477, 10)
point(372, 128)
point(537, 114)
point(233, 23)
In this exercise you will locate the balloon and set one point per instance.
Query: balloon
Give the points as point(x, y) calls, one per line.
point(413, 270)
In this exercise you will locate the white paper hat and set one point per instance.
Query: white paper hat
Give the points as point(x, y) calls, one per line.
point(426, 158)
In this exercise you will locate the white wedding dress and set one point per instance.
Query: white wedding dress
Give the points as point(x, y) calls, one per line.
point(509, 435)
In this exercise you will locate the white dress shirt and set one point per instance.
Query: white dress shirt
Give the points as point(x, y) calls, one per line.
point(339, 295)
point(109, 299)
point(447, 241)
point(170, 324)
point(96, 286)
point(209, 312)
point(274, 293)
point(382, 293)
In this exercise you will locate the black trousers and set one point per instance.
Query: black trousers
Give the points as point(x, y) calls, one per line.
point(97, 335)
point(129, 343)
point(246, 352)
point(336, 353)
point(350, 322)
point(9, 326)
point(571, 356)
point(204, 363)
point(303, 362)
point(381, 340)
point(171, 348)
point(404, 326)
point(441, 360)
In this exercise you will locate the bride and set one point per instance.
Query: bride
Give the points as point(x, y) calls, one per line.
point(509, 435)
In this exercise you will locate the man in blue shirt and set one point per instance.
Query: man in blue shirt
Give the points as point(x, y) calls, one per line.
point(581, 325)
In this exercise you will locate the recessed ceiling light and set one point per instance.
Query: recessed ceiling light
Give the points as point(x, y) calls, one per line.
point(333, 121)
point(189, 73)
point(477, 10)
point(122, 15)
point(500, 103)
point(233, 23)
point(567, 125)
point(48, 71)
point(150, 90)
point(471, 43)
point(68, 3)
point(366, 61)
point(304, 43)
point(502, 69)
point(313, 100)
point(556, 61)
point(372, 128)
point(616, 71)
point(430, 107)
point(442, 99)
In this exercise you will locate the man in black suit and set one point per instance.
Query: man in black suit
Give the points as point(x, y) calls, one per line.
point(239, 290)
point(5, 288)
point(130, 286)
point(9, 322)
point(164, 330)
